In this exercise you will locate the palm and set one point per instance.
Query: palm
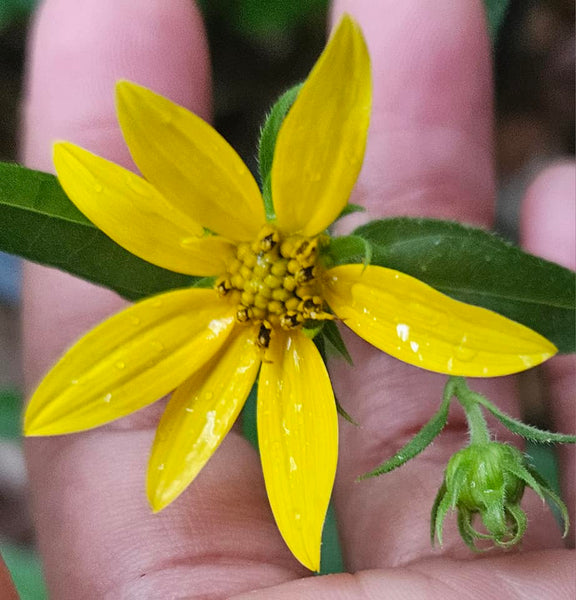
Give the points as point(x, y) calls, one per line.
point(429, 154)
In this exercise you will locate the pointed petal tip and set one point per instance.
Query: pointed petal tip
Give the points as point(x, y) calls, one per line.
point(311, 563)
point(156, 503)
point(124, 86)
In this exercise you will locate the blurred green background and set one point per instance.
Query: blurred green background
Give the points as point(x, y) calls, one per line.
point(258, 49)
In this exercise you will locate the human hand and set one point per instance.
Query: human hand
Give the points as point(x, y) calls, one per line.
point(429, 154)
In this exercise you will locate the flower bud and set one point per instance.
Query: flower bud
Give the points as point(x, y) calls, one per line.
point(487, 482)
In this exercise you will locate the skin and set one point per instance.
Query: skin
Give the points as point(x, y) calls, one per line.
point(429, 153)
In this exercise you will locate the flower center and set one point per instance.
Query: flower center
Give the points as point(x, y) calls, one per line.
point(275, 280)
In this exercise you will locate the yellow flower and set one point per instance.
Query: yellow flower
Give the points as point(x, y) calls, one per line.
point(208, 345)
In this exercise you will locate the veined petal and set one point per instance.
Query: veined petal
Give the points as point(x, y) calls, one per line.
point(129, 361)
point(321, 143)
point(136, 216)
point(298, 437)
point(190, 163)
point(199, 415)
point(421, 326)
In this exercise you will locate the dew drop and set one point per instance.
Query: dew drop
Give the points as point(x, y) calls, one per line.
point(208, 395)
point(156, 303)
point(293, 465)
point(98, 188)
point(189, 409)
point(120, 364)
point(403, 331)
point(430, 316)
point(161, 467)
point(465, 354)
point(135, 320)
point(187, 242)
point(298, 520)
point(166, 118)
point(74, 381)
point(158, 346)
point(107, 398)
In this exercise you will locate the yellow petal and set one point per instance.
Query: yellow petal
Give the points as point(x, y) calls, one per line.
point(298, 437)
point(418, 325)
point(199, 415)
point(321, 144)
point(129, 361)
point(190, 163)
point(136, 216)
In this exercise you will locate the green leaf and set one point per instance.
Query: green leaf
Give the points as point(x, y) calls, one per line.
point(41, 224)
point(477, 267)
point(10, 409)
point(554, 501)
point(496, 13)
point(349, 248)
point(350, 209)
point(267, 142)
point(334, 341)
point(249, 426)
point(528, 432)
point(345, 415)
point(420, 441)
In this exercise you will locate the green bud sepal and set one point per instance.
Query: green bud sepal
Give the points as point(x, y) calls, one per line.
point(487, 481)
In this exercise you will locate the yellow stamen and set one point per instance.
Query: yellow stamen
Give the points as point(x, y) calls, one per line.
point(275, 282)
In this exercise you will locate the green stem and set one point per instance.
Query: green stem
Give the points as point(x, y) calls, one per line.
point(479, 432)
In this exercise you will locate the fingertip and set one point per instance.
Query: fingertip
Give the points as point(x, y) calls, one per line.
point(79, 49)
point(548, 215)
point(429, 149)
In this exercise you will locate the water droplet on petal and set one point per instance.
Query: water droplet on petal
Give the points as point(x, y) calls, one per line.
point(293, 465)
point(431, 316)
point(209, 395)
point(161, 467)
point(188, 242)
point(298, 520)
point(120, 364)
point(135, 320)
point(156, 303)
point(98, 188)
point(403, 331)
point(107, 398)
point(74, 381)
point(158, 346)
point(465, 353)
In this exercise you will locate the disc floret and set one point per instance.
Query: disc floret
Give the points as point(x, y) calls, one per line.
point(275, 282)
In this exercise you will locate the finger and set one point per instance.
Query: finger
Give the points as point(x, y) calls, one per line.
point(547, 228)
point(543, 575)
point(429, 149)
point(429, 153)
point(95, 529)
